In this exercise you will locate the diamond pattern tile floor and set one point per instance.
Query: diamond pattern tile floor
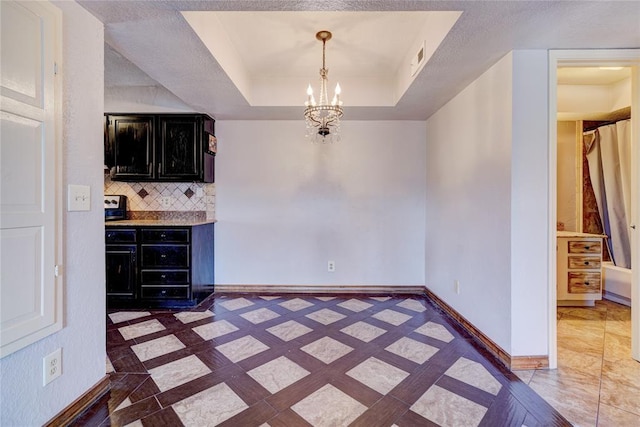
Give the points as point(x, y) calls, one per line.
point(300, 360)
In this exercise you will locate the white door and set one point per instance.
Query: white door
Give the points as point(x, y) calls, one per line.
point(30, 292)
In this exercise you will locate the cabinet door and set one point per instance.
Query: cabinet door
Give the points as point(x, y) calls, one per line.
point(180, 148)
point(130, 147)
point(121, 271)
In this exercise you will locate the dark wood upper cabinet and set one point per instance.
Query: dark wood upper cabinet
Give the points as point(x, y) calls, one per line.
point(130, 146)
point(168, 147)
point(179, 148)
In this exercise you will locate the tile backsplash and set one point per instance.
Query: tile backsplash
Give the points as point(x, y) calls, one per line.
point(180, 196)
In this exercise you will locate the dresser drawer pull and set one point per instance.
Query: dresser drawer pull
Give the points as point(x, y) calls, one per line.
point(163, 256)
point(163, 276)
point(163, 235)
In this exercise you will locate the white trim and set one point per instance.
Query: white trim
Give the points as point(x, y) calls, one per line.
point(553, 210)
point(579, 177)
point(635, 210)
point(583, 58)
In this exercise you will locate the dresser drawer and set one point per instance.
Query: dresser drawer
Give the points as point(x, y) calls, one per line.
point(583, 283)
point(584, 247)
point(162, 292)
point(164, 256)
point(120, 236)
point(584, 262)
point(165, 235)
point(164, 277)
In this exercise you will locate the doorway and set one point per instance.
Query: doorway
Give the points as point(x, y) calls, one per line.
point(594, 58)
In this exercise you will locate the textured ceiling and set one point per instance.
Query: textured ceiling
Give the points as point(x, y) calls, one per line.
point(151, 41)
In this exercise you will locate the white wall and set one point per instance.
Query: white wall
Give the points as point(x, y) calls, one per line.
point(595, 102)
point(486, 212)
point(142, 99)
point(468, 206)
point(530, 204)
point(25, 402)
point(286, 206)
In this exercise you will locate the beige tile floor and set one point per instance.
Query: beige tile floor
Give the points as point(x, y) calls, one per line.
point(597, 383)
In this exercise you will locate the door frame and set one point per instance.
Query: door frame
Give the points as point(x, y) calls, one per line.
point(594, 58)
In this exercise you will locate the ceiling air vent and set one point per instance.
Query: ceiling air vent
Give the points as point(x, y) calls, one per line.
point(418, 59)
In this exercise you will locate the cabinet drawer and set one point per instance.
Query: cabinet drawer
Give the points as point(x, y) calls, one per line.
point(584, 262)
point(164, 256)
point(120, 236)
point(584, 283)
point(165, 235)
point(164, 277)
point(585, 247)
point(165, 292)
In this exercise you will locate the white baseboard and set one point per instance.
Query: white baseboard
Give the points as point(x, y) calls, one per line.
point(616, 298)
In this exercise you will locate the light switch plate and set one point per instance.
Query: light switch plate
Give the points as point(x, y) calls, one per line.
point(78, 198)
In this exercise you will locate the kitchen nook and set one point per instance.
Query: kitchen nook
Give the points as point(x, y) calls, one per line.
point(159, 209)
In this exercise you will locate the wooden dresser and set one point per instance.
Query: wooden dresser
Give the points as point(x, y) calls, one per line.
point(579, 268)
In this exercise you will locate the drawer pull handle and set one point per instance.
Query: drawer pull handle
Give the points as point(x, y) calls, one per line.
point(586, 263)
point(587, 247)
point(163, 256)
point(163, 235)
point(163, 276)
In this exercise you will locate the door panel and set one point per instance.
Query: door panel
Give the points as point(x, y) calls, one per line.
point(22, 56)
point(21, 164)
point(21, 305)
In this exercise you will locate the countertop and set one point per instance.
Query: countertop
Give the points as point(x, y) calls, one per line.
point(157, 223)
point(578, 234)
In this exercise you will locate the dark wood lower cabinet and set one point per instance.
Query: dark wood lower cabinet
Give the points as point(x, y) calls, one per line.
point(121, 272)
point(159, 266)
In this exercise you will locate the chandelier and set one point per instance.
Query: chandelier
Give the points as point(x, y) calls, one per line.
point(323, 118)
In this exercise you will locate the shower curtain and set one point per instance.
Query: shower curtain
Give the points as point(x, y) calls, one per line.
point(608, 151)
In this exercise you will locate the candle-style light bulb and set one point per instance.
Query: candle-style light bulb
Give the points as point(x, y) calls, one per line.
point(310, 100)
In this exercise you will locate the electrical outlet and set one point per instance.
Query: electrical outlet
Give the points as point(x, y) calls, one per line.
point(456, 286)
point(331, 266)
point(51, 367)
point(166, 201)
